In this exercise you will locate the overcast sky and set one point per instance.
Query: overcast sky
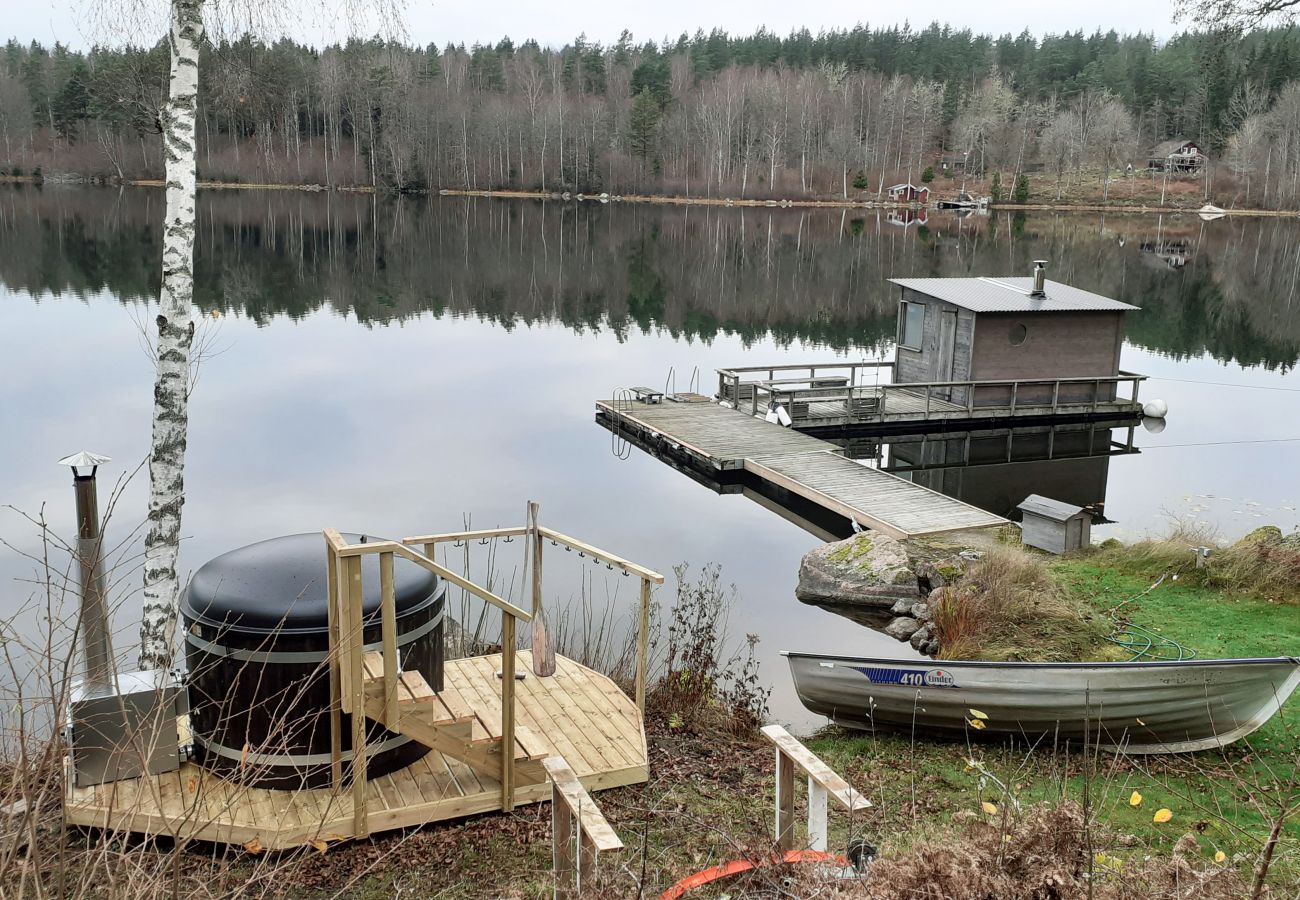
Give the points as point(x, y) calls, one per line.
point(556, 23)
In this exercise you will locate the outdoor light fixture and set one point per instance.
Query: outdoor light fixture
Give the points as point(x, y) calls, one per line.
point(120, 724)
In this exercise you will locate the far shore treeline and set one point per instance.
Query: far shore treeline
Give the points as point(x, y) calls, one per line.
point(841, 114)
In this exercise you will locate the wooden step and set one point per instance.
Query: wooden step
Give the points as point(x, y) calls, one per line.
point(446, 722)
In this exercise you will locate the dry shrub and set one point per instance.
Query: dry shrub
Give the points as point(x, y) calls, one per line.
point(1264, 564)
point(704, 686)
point(1009, 606)
point(1045, 854)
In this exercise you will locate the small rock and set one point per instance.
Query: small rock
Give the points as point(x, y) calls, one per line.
point(902, 628)
point(1127, 840)
point(932, 648)
point(921, 611)
point(902, 608)
point(920, 638)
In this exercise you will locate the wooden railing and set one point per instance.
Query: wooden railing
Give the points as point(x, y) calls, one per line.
point(822, 783)
point(346, 617)
point(735, 388)
point(845, 396)
point(579, 832)
point(647, 577)
point(346, 611)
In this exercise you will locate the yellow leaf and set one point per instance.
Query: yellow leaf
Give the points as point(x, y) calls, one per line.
point(976, 724)
point(990, 808)
point(243, 756)
point(1162, 815)
point(254, 846)
point(979, 715)
point(1135, 799)
point(1140, 722)
point(1220, 856)
point(319, 845)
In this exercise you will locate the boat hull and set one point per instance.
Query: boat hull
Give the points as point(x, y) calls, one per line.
point(1151, 707)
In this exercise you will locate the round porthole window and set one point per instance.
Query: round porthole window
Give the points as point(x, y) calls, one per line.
point(1018, 334)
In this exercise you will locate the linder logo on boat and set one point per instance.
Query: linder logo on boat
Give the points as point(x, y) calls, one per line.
point(909, 677)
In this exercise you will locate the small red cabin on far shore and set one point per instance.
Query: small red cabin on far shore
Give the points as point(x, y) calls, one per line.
point(909, 193)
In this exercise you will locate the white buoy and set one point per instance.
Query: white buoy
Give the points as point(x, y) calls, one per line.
point(1153, 425)
point(1155, 409)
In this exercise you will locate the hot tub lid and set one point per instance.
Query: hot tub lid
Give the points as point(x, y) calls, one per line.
point(281, 583)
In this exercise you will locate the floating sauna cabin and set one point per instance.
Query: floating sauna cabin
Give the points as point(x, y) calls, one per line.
point(1026, 330)
point(257, 634)
point(1054, 526)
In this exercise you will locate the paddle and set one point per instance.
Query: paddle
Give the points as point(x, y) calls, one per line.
point(543, 652)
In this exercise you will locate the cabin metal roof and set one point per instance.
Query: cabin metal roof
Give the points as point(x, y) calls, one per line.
point(1048, 508)
point(1011, 295)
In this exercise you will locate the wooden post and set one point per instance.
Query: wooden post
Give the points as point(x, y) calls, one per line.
point(507, 711)
point(586, 860)
point(356, 653)
point(388, 626)
point(816, 815)
point(335, 648)
point(562, 839)
point(642, 645)
point(784, 801)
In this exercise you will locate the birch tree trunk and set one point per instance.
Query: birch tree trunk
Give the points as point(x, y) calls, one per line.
point(175, 334)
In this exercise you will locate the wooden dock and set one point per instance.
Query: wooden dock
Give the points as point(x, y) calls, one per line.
point(716, 438)
point(576, 713)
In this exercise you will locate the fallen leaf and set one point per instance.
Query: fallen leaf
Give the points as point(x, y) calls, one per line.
point(1162, 815)
point(254, 846)
point(243, 756)
point(979, 715)
point(976, 724)
point(319, 845)
point(1220, 856)
point(1135, 799)
point(990, 808)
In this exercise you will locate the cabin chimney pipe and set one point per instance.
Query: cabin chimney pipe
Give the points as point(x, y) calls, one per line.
point(1040, 278)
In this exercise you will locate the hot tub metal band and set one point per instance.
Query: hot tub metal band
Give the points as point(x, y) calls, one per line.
point(303, 656)
point(294, 759)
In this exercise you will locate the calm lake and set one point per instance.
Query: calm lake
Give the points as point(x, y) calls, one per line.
point(397, 366)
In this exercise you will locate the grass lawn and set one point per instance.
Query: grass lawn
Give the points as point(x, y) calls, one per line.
point(1215, 795)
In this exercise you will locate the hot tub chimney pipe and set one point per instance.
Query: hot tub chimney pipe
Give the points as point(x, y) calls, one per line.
point(1040, 278)
point(97, 652)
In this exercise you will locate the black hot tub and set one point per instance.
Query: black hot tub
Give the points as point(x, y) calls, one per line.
point(256, 635)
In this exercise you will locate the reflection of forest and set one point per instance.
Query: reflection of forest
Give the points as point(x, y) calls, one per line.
point(811, 275)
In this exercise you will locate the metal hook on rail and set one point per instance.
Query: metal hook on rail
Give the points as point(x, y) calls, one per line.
point(458, 543)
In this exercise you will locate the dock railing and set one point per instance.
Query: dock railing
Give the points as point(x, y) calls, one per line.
point(346, 623)
point(830, 394)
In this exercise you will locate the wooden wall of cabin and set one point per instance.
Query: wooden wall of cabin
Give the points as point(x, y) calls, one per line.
point(928, 363)
point(1055, 345)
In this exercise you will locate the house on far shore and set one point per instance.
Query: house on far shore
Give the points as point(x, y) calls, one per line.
point(952, 162)
point(908, 193)
point(1177, 157)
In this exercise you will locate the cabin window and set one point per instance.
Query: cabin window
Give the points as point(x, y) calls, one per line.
point(1018, 334)
point(911, 325)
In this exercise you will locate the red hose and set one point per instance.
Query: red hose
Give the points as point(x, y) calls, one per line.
point(736, 866)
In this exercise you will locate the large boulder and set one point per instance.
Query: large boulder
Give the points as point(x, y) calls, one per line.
point(866, 570)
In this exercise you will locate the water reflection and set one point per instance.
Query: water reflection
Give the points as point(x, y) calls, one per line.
point(392, 366)
point(1225, 289)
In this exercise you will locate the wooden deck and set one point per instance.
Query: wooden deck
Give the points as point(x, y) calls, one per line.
point(577, 713)
point(715, 437)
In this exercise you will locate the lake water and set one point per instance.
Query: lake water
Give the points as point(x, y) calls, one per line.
point(397, 365)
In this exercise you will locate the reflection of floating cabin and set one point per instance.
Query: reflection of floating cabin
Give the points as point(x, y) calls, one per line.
point(908, 193)
point(1178, 157)
point(1031, 331)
